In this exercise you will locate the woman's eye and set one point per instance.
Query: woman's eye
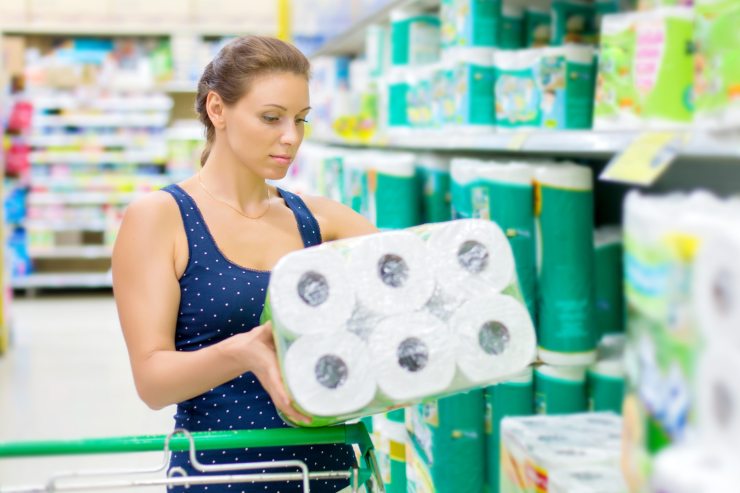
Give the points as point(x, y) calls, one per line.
point(301, 120)
point(270, 118)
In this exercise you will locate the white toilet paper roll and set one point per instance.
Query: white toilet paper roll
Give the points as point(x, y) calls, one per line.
point(694, 468)
point(413, 355)
point(310, 293)
point(718, 396)
point(471, 257)
point(329, 374)
point(391, 272)
point(716, 288)
point(495, 338)
point(588, 479)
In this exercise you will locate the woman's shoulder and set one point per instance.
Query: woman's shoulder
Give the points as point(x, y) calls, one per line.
point(336, 219)
point(152, 210)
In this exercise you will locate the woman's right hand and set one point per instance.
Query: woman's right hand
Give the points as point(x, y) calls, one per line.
point(264, 364)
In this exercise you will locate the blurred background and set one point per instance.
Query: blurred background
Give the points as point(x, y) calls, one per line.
point(601, 135)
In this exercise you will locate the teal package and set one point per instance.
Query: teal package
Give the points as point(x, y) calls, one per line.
point(511, 26)
point(464, 179)
point(394, 199)
point(565, 212)
point(331, 179)
point(398, 104)
point(474, 98)
point(479, 22)
point(537, 26)
point(443, 95)
point(518, 93)
point(512, 208)
point(435, 191)
point(447, 445)
point(608, 286)
point(356, 189)
point(606, 387)
point(573, 21)
point(560, 390)
point(567, 78)
point(511, 398)
point(415, 38)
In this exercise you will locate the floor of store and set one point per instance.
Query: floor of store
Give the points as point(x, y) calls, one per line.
point(67, 376)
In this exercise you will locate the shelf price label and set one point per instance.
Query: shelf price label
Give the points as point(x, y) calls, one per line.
point(517, 140)
point(645, 158)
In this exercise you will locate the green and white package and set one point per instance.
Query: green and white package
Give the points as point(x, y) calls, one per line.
point(398, 85)
point(443, 93)
point(393, 194)
point(565, 312)
point(377, 49)
point(477, 22)
point(363, 325)
point(566, 75)
point(518, 92)
point(448, 24)
point(537, 25)
point(514, 397)
point(511, 25)
point(608, 281)
point(717, 64)
point(390, 439)
point(473, 82)
point(560, 389)
point(652, 52)
point(535, 450)
point(355, 166)
point(415, 37)
point(573, 21)
point(606, 386)
point(464, 175)
point(591, 479)
point(509, 192)
point(434, 181)
point(446, 453)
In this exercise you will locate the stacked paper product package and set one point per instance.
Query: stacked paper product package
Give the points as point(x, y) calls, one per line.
point(682, 414)
point(374, 323)
point(571, 453)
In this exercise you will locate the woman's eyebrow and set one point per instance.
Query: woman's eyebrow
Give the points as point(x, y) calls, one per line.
point(286, 109)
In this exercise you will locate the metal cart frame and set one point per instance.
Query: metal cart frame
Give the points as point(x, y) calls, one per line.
point(366, 474)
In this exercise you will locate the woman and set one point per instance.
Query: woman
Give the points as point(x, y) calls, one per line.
point(192, 262)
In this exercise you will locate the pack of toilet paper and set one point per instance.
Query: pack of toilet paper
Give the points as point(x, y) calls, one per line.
point(681, 267)
point(544, 453)
point(694, 468)
point(382, 321)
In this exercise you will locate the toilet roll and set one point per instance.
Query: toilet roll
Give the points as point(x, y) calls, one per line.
point(716, 288)
point(495, 338)
point(413, 355)
point(391, 272)
point(329, 374)
point(464, 174)
point(393, 194)
point(718, 396)
point(310, 293)
point(434, 173)
point(470, 257)
point(606, 386)
point(560, 389)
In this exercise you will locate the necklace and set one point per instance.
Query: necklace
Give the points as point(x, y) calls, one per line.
point(231, 206)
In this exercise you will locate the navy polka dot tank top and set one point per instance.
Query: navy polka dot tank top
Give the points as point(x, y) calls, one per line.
point(219, 299)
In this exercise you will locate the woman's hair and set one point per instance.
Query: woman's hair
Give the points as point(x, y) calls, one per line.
point(238, 63)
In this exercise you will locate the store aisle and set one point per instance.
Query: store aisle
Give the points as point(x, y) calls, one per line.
point(67, 376)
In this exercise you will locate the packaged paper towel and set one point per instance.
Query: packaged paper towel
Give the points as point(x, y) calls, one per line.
point(718, 396)
point(391, 439)
point(608, 281)
point(518, 93)
point(474, 82)
point(537, 24)
point(566, 77)
point(717, 64)
point(435, 310)
point(646, 70)
point(694, 468)
point(535, 449)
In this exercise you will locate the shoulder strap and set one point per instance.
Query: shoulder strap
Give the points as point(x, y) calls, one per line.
point(308, 226)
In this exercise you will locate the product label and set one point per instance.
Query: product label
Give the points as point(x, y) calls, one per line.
point(518, 99)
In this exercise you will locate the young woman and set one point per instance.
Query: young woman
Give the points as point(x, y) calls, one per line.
point(192, 262)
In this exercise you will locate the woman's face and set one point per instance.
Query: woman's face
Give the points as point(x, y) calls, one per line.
point(264, 129)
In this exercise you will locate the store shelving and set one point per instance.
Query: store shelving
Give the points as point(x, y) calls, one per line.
point(66, 252)
point(64, 280)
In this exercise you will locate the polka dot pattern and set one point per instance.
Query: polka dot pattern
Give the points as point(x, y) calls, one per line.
point(219, 299)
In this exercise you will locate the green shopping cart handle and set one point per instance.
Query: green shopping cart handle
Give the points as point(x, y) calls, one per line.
point(211, 440)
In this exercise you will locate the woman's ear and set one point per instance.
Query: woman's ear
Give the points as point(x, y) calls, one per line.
point(215, 108)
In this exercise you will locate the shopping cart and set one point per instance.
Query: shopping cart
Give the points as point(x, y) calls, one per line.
point(365, 475)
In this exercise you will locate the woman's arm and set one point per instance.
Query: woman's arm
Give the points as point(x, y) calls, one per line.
point(147, 295)
point(338, 221)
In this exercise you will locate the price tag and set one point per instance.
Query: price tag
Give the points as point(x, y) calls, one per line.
point(645, 159)
point(517, 141)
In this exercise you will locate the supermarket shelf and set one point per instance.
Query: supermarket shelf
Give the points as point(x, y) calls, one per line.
point(352, 40)
point(80, 198)
point(95, 121)
point(94, 226)
point(128, 104)
point(179, 87)
point(63, 280)
point(128, 157)
point(123, 29)
point(568, 143)
point(71, 252)
point(137, 142)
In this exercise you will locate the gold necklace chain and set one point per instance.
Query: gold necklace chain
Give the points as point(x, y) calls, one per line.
point(231, 206)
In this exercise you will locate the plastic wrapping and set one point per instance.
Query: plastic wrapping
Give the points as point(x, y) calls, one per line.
point(409, 332)
point(536, 449)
